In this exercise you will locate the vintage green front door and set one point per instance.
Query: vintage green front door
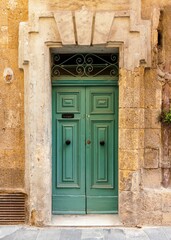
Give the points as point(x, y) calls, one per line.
point(85, 149)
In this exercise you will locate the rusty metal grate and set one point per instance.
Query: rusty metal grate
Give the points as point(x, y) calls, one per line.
point(12, 208)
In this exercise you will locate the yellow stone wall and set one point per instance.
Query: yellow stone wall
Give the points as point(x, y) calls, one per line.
point(142, 199)
point(11, 97)
point(155, 205)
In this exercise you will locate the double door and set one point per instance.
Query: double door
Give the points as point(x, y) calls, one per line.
point(84, 150)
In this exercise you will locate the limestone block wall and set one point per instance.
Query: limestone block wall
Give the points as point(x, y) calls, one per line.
point(155, 173)
point(12, 157)
point(142, 31)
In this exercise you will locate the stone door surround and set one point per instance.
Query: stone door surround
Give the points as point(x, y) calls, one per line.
point(61, 30)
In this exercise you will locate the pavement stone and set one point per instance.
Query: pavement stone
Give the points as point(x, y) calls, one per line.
point(49, 234)
point(23, 234)
point(167, 231)
point(56, 233)
point(136, 234)
point(70, 234)
point(115, 234)
point(89, 234)
point(7, 230)
point(155, 233)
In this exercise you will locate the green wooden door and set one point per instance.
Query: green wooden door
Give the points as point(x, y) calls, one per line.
point(85, 150)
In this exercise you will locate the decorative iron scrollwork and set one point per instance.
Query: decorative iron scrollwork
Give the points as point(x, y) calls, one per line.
point(85, 65)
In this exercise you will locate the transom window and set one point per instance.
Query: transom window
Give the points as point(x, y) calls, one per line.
point(83, 65)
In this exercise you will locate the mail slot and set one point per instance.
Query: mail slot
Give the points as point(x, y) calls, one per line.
point(68, 115)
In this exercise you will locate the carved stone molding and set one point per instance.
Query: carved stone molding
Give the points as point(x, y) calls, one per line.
point(85, 27)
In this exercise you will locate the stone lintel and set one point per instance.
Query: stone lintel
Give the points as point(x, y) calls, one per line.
point(84, 21)
point(64, 20)
point(103, 23)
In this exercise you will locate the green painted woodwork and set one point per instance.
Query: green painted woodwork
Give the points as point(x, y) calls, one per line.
point(68, 177)
point(83, 82)
point(85, 149)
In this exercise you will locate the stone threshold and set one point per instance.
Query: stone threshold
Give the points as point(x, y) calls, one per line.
point(90, 220)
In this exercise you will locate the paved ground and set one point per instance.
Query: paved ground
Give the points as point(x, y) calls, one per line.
point(30, 233)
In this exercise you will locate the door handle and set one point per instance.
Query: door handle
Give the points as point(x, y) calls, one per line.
point(102, 143)
point(88, 141)
point(67, 142)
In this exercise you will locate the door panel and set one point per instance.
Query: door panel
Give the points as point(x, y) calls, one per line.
point(100, 102)
point(85, 150)
point(101, 166)
point(68, 101)
point(68, 153)
point(101, 154)
point(68, 150)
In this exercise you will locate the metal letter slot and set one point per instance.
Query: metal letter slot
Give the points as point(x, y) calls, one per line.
point(68, 115)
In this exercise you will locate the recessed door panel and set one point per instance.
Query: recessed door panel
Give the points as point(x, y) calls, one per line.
point(101, 154)
point(68, 154)
point(85, 150)
point(68, 101)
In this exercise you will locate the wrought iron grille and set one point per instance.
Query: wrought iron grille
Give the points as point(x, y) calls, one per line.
point(83, 65)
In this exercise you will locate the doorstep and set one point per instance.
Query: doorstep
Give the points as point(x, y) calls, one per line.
point(89, 220)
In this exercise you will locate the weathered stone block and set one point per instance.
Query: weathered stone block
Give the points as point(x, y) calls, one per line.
point(103, 22)
point(136, 181)
point(129, 160)
point(131, 139)
point(166, 202)
point(151, 217)
point(4, 36)
point(152, 138)
point(12, 158)
point(65, 25)
point(151, 201)
point(131, 118)
point(166, 218)
point(153, 90)
point(152, 118)
point(128, 208)
point(84, 21)
point(11, 178)
point(129, 180)
point(126, 97)
point(151, 158)
point(131, 88)
point(151, 178)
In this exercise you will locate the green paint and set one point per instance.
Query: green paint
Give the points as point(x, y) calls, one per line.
point(85, 175)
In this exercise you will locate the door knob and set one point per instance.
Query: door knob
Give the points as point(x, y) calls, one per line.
point(88, 141)
point(102, 143)
point(67, 142)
